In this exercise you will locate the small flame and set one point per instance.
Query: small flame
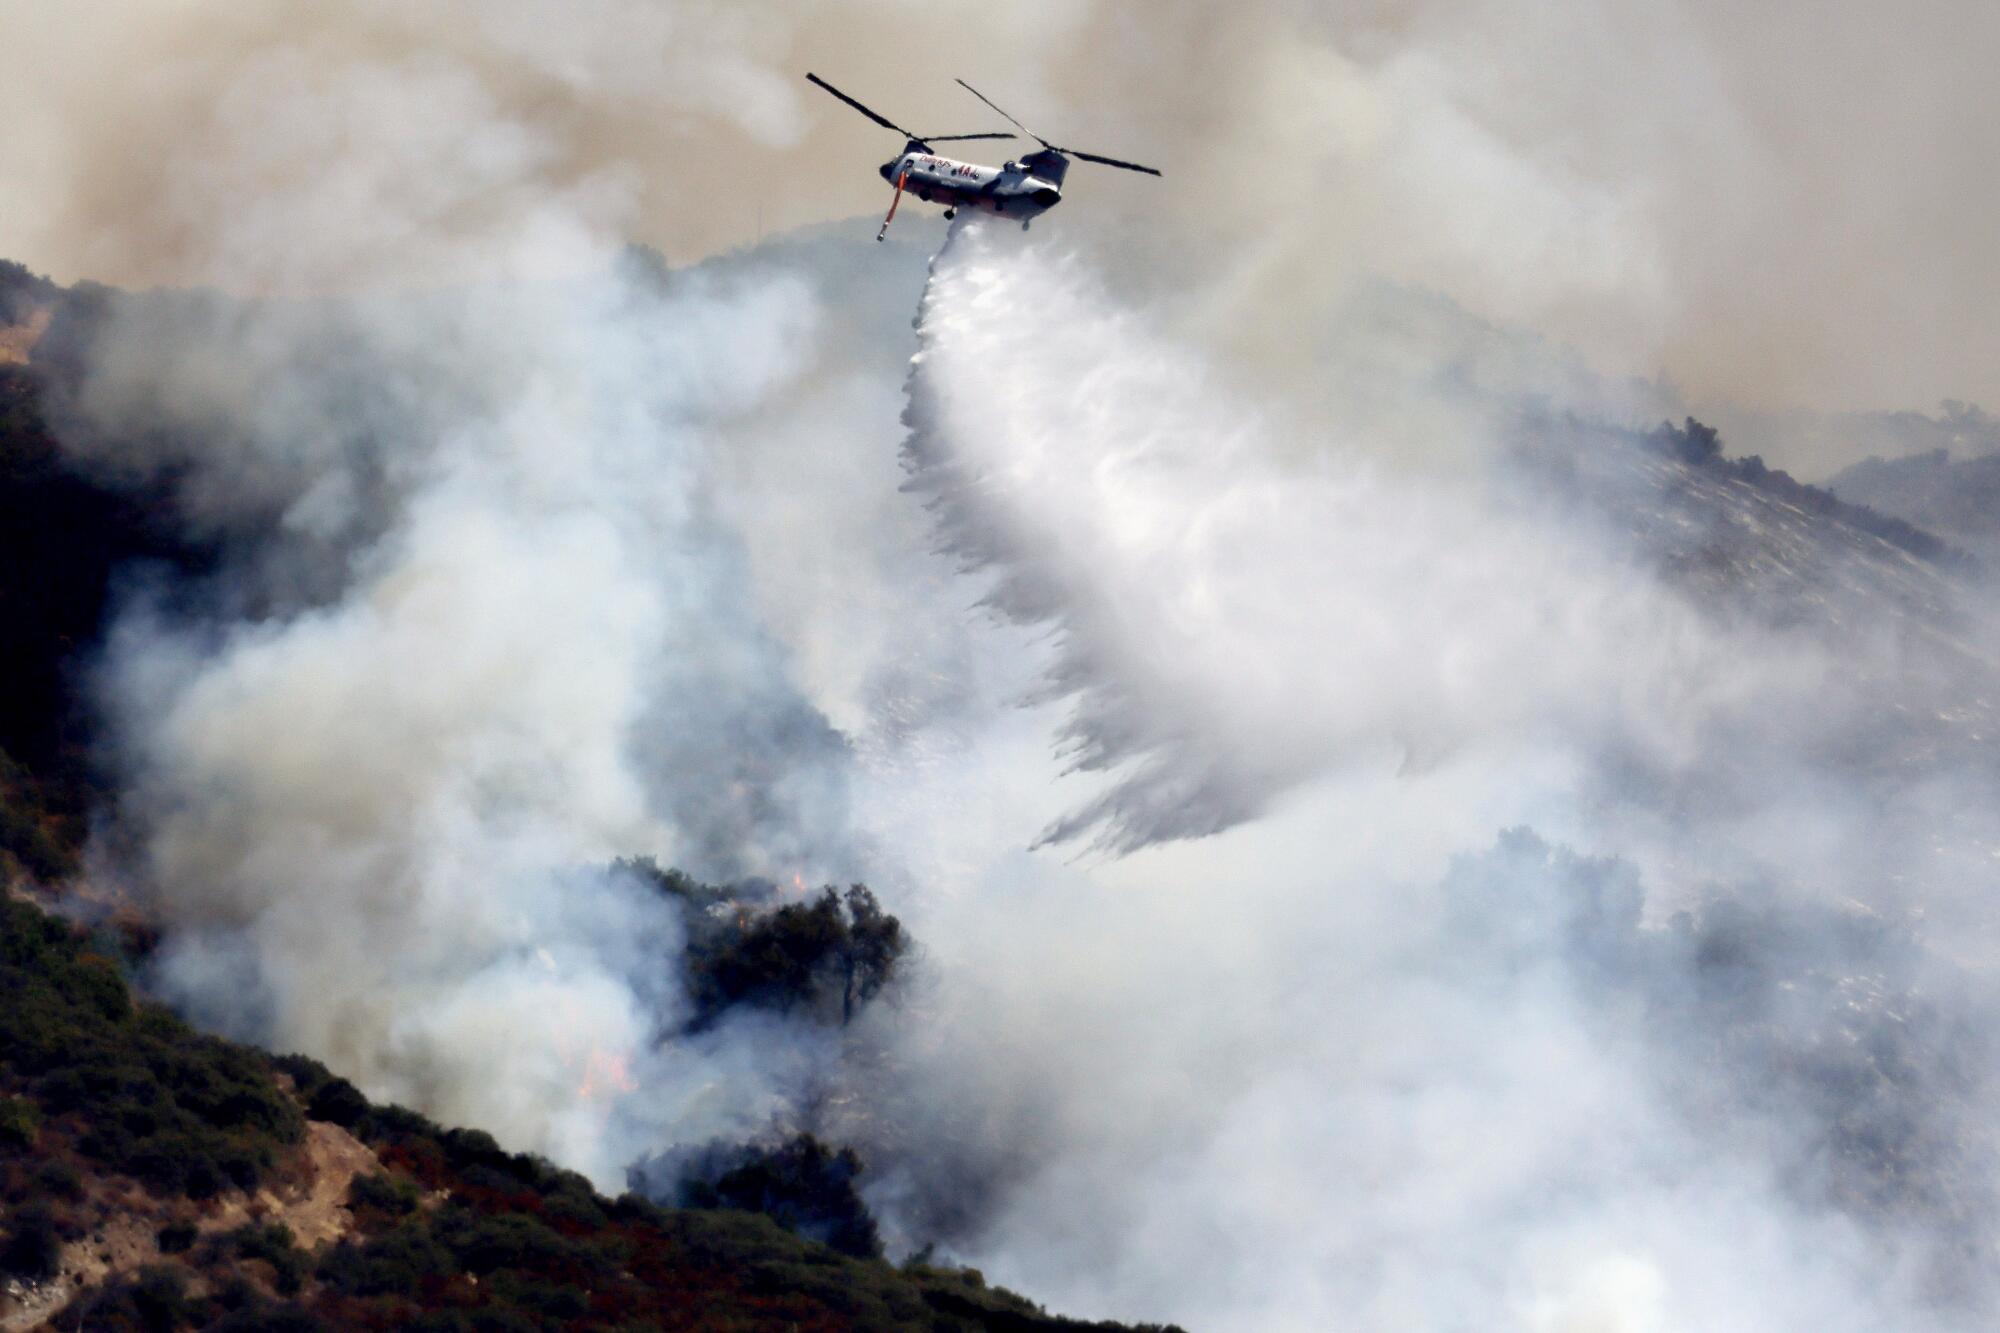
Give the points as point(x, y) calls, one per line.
point(798, 884)
point(606, 1073)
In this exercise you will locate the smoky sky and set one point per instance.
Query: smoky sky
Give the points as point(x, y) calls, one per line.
point(1780, 207)
point(1388, 850)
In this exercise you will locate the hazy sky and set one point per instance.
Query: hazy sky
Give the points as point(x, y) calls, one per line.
point(1786, 203)
point(1296, 1027)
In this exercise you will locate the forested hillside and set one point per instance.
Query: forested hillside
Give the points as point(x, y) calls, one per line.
point(153, 1177)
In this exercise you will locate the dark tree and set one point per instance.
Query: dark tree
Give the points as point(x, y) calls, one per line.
point(869, 953)
point(337, 1102)
point(33, 1249)
point(830, 955)
point(803, 1185)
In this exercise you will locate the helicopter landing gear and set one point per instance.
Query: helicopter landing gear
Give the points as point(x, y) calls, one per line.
point(1024, 226)
point(950, 213)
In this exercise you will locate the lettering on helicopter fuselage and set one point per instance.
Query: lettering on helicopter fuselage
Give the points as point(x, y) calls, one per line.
point(949, 170)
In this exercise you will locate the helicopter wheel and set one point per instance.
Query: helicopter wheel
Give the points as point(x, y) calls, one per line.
point(1024, 226)
point(950, 213)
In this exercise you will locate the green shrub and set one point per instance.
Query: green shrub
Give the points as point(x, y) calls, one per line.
point(235, 1292)
point(396, 1263)
point(57, 1179)
point(503, 1321)
point(484, 1243)
point(272, 1243)
point(20, 1122)
point(549, 1303)
point(33, 1247)
point(383, 1194)
point(803, 1185)
point(159, 1295)
point(154, 1300)
point(95, 982)
point(307, 1074)
point(573, 1215)
point(31, 827)
point(392, 1122)
point(440, 1321)
point(270, 1319)
point(337, 1102)
point(181, 1112)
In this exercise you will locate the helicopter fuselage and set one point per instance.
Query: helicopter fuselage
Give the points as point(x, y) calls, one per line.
point(1024, 189)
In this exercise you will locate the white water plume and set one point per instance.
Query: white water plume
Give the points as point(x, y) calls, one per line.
point(1349, 1063)
point(1239, 612)
point(1342, 1062)
point(558, 558)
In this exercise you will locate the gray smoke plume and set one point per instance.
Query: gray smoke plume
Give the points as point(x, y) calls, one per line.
point(1274, 535)
point(479, 629)
point(1346, 1063)
point(1233, 625)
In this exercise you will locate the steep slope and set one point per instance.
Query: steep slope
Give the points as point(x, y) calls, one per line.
point(65, 538)
point(155, 1179)
point(1757, 546)
point(452, 1232)
point(1954, 494)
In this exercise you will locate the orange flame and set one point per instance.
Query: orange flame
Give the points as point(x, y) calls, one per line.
point(606, 1073)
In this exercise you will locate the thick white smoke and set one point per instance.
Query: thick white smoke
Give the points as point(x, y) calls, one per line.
point(1233, 625)
point(371, 802)
point(538, 555)
point(1348, 1064)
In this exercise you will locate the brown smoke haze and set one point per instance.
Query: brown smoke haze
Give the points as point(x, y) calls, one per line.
point(1548, 892)
point(1781, 205)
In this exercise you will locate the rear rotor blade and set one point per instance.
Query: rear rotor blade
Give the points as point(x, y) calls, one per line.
point(879, 120)
point(1017, 124)
point(1109, 161)
point(947, 138)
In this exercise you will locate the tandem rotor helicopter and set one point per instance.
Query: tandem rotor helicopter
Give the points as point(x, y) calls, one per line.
point(1024, 189)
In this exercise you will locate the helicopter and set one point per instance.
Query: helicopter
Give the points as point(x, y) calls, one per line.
point(1024, 188)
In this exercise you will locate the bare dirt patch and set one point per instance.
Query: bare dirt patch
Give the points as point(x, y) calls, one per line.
point(309, 1197)
point(313, 1201)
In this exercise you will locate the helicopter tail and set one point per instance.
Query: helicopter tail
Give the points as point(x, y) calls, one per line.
point(1048, 164)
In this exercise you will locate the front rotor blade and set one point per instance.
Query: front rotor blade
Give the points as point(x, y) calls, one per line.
point(947, 138)
point(1109, 161)
point(990, 102)
point(879, 120)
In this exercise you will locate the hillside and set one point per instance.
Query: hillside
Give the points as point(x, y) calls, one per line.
point(154, 1178)
point(1951, 493)
point(157, 1177)
point(1755, 546)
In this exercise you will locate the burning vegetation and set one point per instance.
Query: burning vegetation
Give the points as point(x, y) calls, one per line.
point(145, 1172)
point(153, 1177)
point(823, 959)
